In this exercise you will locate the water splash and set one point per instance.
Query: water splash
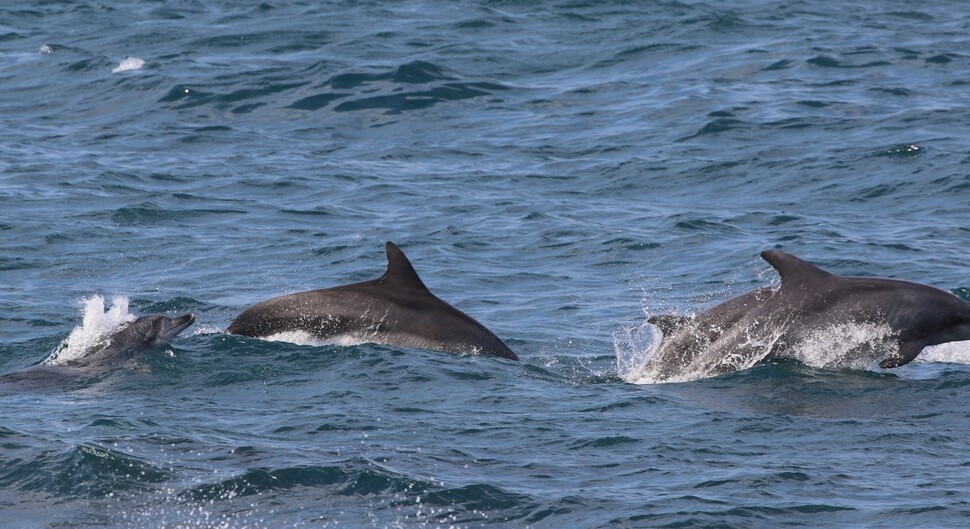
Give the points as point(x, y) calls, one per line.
point(846, 346)
point(307, 338)
point(204, 329)
point(951, 353)
point(96, 326)
point(633, 347)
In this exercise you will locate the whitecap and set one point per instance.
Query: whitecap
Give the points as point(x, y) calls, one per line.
point(130, 63)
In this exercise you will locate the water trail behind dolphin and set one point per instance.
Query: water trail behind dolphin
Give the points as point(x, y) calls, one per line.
point(843, 346)
point(98, 324)
point(952, 352)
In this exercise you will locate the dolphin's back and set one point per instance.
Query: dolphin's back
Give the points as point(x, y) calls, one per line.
point(394, 309)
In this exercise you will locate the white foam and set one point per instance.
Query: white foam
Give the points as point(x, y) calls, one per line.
point(130, 63)
point(199, 330)
point(951, 353)
point(96, 326)
point(46, 49)
point(862, 346)
point(306, 338)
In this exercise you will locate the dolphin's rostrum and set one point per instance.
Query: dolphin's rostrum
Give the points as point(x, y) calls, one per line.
point(394, 309)
point(902, 318)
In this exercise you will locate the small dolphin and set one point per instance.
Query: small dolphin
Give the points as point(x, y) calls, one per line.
point(394, 309)
point(146, 332)
point(140, 335)
point(901, 317)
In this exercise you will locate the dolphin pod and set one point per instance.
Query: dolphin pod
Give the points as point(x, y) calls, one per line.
point(901, 318)
point(398, 309)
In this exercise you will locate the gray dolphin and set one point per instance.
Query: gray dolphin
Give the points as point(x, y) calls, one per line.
point(807, 310)
point(146, 332)
point(140, 335)
point(394, 309)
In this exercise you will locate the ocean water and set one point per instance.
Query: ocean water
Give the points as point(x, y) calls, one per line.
point(560, 171)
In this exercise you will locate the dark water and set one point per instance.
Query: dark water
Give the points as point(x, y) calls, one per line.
point(557, 170)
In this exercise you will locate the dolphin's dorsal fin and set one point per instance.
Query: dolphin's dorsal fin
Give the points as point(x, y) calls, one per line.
point(793, 271)
point(399, 272)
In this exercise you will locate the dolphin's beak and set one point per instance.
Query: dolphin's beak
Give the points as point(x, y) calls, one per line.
point(171, 328)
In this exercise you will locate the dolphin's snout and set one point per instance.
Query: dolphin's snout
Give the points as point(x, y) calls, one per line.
point(174, 326)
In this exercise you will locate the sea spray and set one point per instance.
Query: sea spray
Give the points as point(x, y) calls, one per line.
point(845, 346)
point(633, 347)
point(97, 325)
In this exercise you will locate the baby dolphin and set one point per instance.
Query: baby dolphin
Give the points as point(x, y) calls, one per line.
point(807, 310)
point(142, 334)
point(146, 332)
point(394, 309)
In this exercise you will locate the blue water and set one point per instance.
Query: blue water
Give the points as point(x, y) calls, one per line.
point(558, 170)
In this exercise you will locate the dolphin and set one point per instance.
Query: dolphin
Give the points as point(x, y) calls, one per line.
point(394, 309)
point(810, 309)
point(142, 334)
point(146, 332)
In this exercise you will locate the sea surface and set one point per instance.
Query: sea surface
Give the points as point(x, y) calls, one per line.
point(560, 171)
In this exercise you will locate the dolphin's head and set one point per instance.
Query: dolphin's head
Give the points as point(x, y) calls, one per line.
point(152, 331)
point(163, 329)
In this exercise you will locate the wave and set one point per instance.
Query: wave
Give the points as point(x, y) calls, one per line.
point(359, 480)
point(355, 477)
point(410, 86)
point(86, 470)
